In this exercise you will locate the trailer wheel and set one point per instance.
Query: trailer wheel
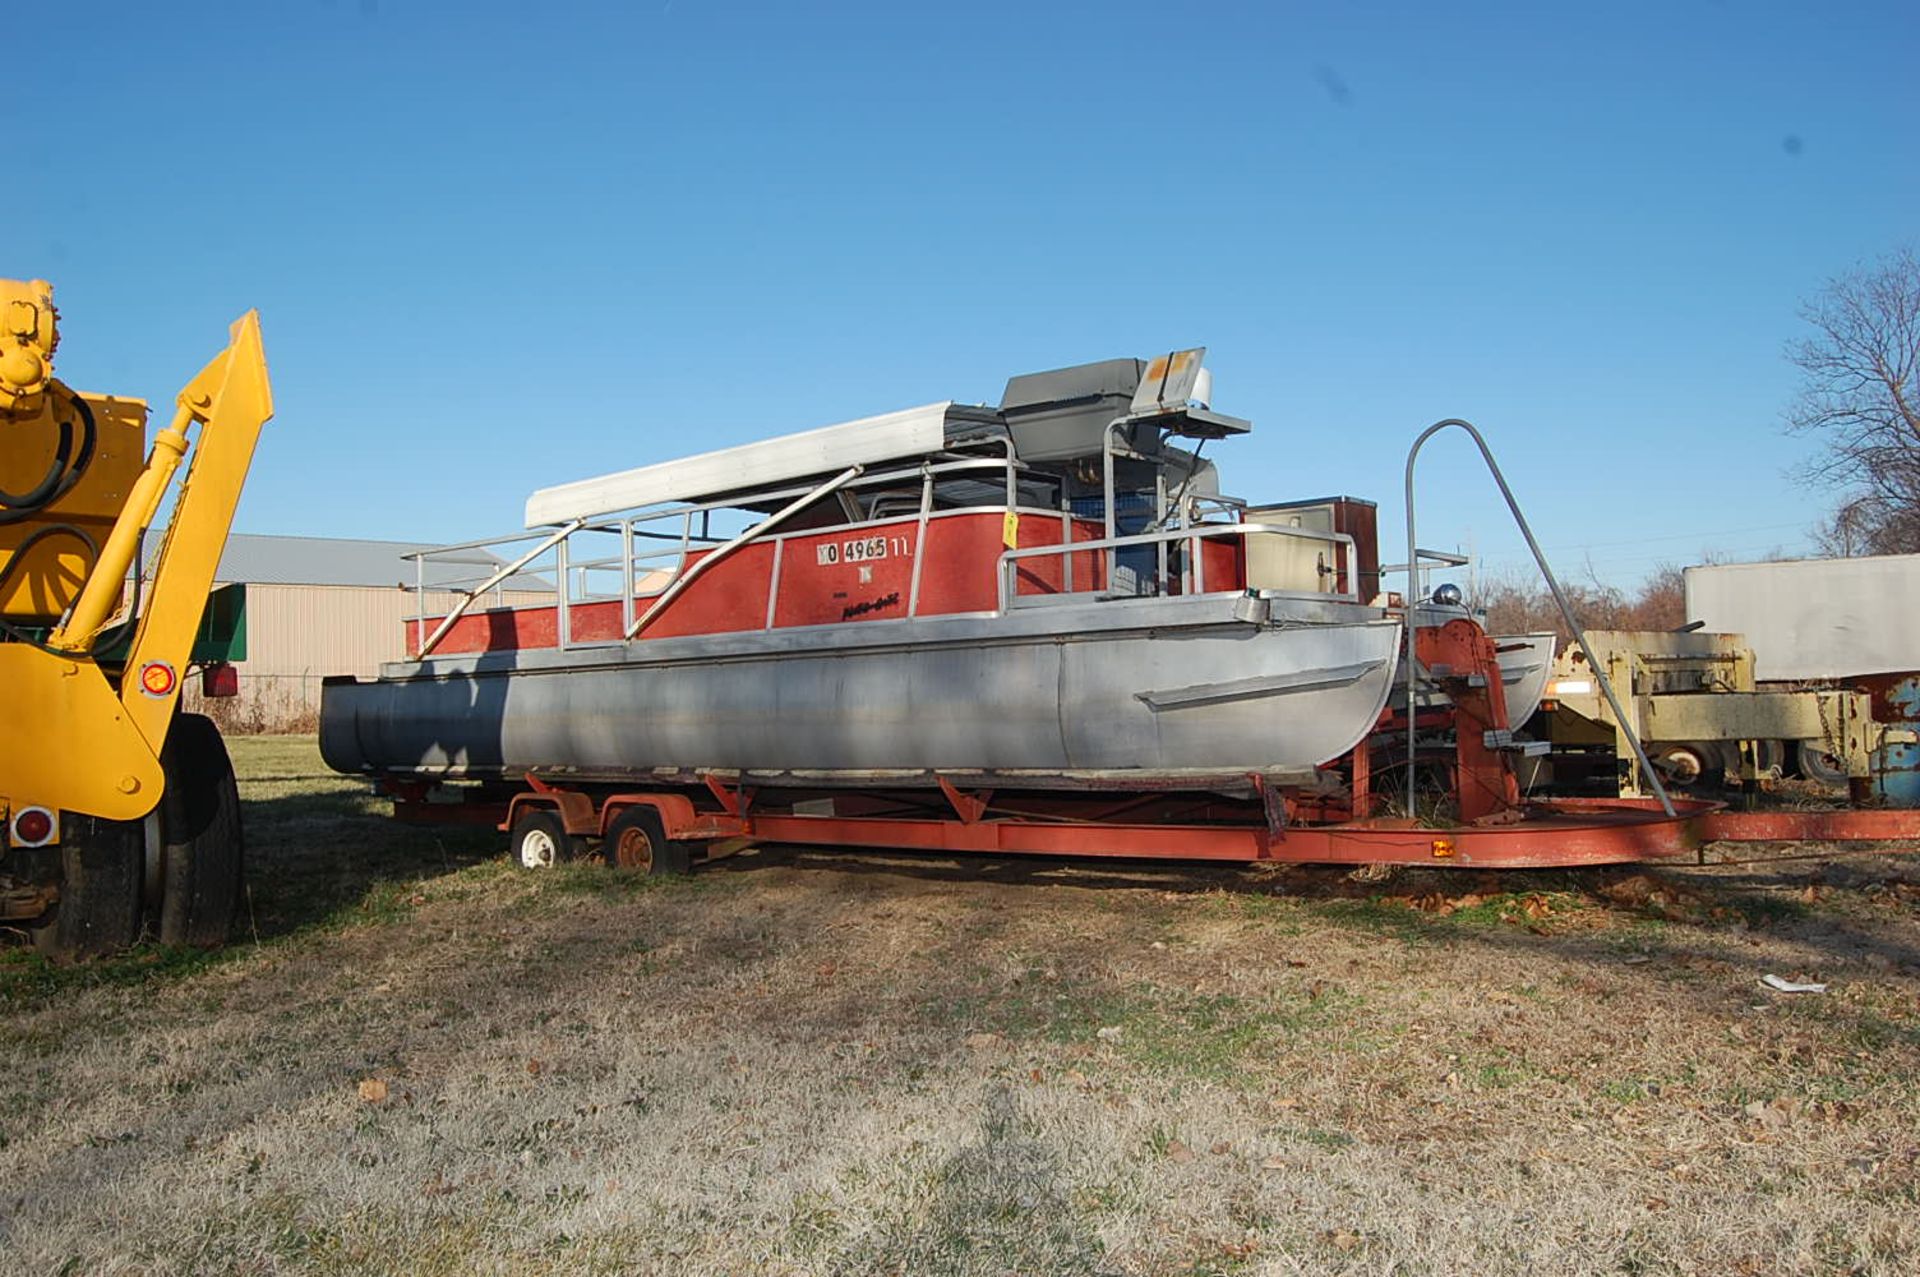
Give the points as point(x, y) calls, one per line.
point(201, 844)
point(1769, 760)
point(1685, 764)
point(99, 907)
point(638, 843)
point(541, 841)
point(1818, 764)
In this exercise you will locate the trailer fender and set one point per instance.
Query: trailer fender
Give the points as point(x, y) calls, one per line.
point(678, 819)
point(575, 808)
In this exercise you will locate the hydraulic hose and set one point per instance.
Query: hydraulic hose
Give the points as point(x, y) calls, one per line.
point(64, 471)
point(38, 535)
point(15, 632)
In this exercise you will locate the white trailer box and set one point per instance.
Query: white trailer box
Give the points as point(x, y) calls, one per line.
point(1816, 618)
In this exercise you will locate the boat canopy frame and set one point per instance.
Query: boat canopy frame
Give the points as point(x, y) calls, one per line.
point(784, 460)
point(941, 442)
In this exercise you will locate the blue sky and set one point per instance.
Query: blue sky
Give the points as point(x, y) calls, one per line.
point(502, 246)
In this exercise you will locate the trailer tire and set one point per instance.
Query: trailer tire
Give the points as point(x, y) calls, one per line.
point(202, 847)
point(1769, 760)
point(540, 840)
point(1691, 764)
point(98, 911)
point(1820, 765)
point(637, 842)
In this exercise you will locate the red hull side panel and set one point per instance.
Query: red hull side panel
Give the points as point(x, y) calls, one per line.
point(831, 577)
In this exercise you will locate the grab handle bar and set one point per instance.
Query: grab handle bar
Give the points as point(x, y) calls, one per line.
point(1553, 584)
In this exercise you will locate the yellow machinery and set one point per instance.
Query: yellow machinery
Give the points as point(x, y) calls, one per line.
point(1692, 699)
point(120, 812)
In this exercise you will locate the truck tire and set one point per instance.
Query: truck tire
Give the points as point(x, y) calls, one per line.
point(637, 842)
point(540, 840)
point(1819, 765)
point(98, 912)
point(201, 844)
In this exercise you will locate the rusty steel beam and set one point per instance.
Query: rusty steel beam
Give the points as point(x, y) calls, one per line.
point(1840, 825)
point(1595, 833)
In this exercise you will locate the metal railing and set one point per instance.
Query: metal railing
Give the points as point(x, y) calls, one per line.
point(1193, 570)
point(633, 576)
point(571, 575)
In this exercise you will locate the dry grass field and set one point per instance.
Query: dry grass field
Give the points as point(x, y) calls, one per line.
point(417, 1060)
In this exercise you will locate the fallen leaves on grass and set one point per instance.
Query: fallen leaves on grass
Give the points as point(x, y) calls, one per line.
point(1785, 1110)
point(1775, 1113)
point(1533, 908)
point(1656, 896)
point(1242, 1249)
point(1440, 904)
point(1636, 891)
point(373, 1091)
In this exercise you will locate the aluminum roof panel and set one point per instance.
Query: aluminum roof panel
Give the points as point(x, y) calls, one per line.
point(907, 433)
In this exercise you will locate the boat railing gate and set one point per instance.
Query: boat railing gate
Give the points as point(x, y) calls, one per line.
point(1193, 570)
point(497, 584)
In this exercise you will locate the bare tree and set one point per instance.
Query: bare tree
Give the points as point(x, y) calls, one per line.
point(1661, 603)
point(1861, 402)
point(1520, 603)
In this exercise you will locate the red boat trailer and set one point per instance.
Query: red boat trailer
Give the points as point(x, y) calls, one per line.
point(1165, 826)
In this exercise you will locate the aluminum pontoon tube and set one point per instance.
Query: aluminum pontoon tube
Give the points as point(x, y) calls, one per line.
point(1553, 584)
point(1149, 684)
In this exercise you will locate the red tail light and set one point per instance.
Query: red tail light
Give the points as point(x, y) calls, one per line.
point(222, 679)
point(32, 827)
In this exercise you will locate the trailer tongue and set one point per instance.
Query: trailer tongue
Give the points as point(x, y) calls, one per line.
point(1039, 627)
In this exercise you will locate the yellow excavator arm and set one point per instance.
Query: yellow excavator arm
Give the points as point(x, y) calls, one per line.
point(82, 737)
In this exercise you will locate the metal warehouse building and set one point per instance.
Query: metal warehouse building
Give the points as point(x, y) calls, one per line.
point(319, 606)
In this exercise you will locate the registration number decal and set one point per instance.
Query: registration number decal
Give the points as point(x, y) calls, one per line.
point(859, 550)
